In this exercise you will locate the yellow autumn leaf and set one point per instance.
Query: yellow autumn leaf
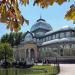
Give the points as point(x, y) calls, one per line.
point(70, 15)
point(61, 1)
point(3, 13)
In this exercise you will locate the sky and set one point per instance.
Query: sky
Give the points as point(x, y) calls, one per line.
point(54, 15)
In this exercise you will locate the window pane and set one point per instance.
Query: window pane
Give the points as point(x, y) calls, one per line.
point(68, 34)
point(62, 35)
point(53, 36)
point(57, 36)
point(49, 37)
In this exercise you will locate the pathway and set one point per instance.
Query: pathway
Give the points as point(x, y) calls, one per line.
point(67, 69)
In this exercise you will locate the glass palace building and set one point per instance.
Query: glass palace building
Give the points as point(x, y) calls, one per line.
point(42, 42)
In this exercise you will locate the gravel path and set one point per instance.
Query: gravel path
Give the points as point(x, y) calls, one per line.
point(67, 69)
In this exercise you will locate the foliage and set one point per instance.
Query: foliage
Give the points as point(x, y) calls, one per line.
point(11, 15)
point(12, 38)
point(46, 3)
point(9, 51)
point(70, 15)
point(18, 38)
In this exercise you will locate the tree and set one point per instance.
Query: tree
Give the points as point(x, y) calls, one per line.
point(11, 15)
point(8, 38)
point(6, 52)
point(5, 38)
point(13, 38)
point(18, 38)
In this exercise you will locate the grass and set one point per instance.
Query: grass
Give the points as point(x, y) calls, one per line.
point(35, 70)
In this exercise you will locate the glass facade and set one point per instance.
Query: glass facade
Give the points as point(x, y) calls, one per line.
point(73, 34)
point(54, 36)
point(68, 34)
point(62, 35)
point(57, 35)
point(40, 33)
point(38, 40)
point(28, 37)
point(43, 39)
point(73, 46)
point(51, 43)
point(34, 39)
point(47, 38)
point(66, 46)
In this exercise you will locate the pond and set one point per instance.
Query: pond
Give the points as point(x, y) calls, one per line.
point(35, 70)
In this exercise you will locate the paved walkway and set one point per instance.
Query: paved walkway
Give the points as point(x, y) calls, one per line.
point(67, 69)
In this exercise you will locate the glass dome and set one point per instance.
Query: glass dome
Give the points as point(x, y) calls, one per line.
point(41, 23)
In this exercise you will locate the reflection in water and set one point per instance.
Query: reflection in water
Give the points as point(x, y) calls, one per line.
point(6, 72)
point(29, 71)
point(3, 71)
point(16, 71)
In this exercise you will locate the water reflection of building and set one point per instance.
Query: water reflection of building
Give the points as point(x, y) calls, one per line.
point(42, 42)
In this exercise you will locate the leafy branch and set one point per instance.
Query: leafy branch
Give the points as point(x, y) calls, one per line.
point(11, 15)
